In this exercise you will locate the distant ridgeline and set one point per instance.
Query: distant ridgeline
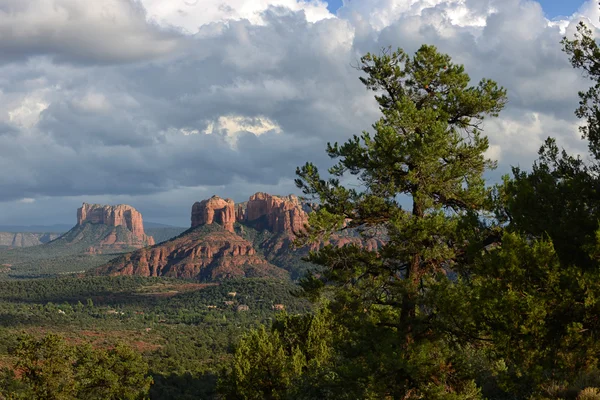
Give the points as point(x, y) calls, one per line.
point(253, 239)
point(10, 240)
point(101, 233)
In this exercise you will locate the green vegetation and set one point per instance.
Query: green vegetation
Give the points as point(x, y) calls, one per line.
point(184, 330)
point(427, 145)
point(51, 369)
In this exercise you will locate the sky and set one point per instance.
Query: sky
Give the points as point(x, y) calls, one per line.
point(557, 8)
point(552, 8)
point(162, 103)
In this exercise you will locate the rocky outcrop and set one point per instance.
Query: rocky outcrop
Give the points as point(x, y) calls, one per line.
point(274, 213)
point(25, 239)
point(253, 238)
point(207, 252)
point(119, 215)
point(214, 210)
point(264, 211)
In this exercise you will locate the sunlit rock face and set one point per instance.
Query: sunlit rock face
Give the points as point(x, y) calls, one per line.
point(214, 210)
point(119, 215)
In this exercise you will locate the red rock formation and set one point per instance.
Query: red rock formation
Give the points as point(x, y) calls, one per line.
point(214, 210)
point(218, 249)
point(240, 213)
point(203, 254)
point(274, 213)
point(120, 215)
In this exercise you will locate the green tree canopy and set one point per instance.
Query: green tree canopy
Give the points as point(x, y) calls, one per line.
point(427, 147)
point(50, 369)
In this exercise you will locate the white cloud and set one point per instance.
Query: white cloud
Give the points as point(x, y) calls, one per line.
point(232, 126)
point(93, 102)
point(515, 140)
point(383, 13)
point(27, 112)
point(190, 15)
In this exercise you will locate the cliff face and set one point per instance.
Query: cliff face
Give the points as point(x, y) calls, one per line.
point(274, 213)
point(120, 215)
point(115, 216)
point(264, 211)
point(214, 210)
point(212, 249)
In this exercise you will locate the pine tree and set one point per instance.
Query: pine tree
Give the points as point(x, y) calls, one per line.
point(428, 149)
point(534, 296)
point(281, 362)
point(49, 368)
point(584, 54)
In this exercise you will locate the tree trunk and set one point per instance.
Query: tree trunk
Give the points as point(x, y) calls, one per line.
point(413, 276)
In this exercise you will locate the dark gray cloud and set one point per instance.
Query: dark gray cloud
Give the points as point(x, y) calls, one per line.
point(92, 32)
point(108, 107)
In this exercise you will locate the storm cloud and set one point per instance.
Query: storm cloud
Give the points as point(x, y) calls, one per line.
point(159, 104)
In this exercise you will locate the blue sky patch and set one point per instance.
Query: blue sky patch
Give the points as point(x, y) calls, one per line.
point(553, 8)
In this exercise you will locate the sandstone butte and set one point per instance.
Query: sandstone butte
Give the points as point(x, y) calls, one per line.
point(214, 210)
point(213, 253)
point(217, 253)
point(201, 254)
point(274, 213)
point(119, 215)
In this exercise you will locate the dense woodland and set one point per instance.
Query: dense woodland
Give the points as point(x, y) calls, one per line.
point(183, 331)
point(480, 291)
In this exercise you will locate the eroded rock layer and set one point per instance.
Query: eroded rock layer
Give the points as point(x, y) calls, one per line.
point(253, 239)
point(128, 227)
point(274, 213)
point(119, 215)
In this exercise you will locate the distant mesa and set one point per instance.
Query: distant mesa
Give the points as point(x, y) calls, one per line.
point(117, 227)
point(101, 233)
point(119, 215)
point(114, 216)
point(104, 229)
